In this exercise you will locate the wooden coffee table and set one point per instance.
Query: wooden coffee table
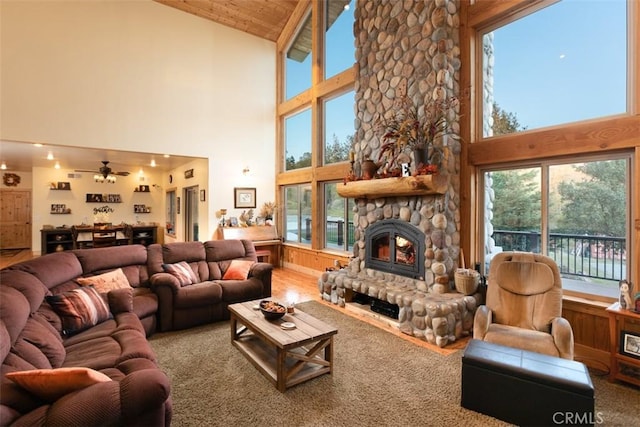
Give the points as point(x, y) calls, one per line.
point(285, 357)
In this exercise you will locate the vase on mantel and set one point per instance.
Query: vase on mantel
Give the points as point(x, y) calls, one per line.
point(421, 155)
point(369, 169)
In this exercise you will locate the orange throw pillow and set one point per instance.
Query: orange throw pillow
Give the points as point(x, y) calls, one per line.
point(238, 270)
point(52, 384)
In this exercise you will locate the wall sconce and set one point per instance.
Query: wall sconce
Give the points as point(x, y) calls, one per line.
point(246, 171)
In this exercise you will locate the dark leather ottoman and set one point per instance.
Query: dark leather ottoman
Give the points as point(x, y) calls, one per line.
point(526, 388)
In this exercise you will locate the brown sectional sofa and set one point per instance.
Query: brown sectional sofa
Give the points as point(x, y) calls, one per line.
point(135, 391)
point(207, 300)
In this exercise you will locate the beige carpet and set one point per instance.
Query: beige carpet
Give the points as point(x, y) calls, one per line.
point(379, 380)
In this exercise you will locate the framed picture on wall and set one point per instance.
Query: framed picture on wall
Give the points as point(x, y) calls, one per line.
point(244, 197)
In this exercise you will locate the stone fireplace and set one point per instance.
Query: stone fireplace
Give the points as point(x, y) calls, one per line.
point(407, 49)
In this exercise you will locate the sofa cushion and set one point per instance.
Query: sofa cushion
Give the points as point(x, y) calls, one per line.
point(45, 338)
point(79, 309)
point(105, 259)
point(14, 311)
point(106, 282)
point(181, 271)
point(51, 384)
point(28, 284)
point(52, 269)
point(238, 270)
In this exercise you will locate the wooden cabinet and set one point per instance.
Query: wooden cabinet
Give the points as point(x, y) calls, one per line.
point(264, 237)
point(144, 234)
point(84, 237)
point(56, 240)
point(624, 366)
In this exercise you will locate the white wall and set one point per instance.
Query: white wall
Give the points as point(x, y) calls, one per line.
point(81, 211)
point(141, 76)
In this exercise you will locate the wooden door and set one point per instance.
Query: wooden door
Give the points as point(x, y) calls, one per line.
point(15, 219)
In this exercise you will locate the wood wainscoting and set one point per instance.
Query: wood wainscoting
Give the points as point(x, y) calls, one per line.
point(590, 324)
point(309, 260)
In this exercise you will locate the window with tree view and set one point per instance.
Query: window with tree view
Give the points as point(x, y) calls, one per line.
point(577, 213)
point(297, 136)
point(339, 129)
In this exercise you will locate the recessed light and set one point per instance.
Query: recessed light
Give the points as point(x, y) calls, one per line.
point(49, 155)
point(3, 166)
point(166, 156)
point(37, 144)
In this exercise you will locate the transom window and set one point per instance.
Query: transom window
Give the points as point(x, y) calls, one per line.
point(564, 63)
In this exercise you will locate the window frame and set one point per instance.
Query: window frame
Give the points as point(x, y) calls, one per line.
point(544, 166)
point(596, 136)
point(320, 90)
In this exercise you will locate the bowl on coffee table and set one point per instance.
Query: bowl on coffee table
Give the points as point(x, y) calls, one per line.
point(272, 310)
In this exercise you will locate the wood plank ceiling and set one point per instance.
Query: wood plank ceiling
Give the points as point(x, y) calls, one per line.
point(262, 18)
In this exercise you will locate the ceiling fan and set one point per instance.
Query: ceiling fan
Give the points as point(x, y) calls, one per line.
point(104, 173)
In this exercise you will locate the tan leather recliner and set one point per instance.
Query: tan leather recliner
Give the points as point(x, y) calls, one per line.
point(524, 306)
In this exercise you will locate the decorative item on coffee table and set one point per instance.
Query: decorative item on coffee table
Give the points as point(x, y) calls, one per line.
point(272, 310)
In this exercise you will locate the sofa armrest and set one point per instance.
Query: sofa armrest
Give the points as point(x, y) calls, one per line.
point(140, 398)
point(165, 280)
point(563, 337)
point(120, 300)
point(262, 271)
point(481, 321)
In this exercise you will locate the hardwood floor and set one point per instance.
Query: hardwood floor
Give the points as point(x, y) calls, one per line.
point(293, 286)
point(23, 255)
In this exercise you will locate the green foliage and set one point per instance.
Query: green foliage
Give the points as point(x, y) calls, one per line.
point(517, 200)
point(338, 151)
point(504, 122)
point(596, 205)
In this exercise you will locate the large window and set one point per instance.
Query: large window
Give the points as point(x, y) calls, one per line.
point(316, 124)
point(297, 131)
point(339, 117)
point(339, 39)
point(562, 64)
point(338, 214)
point(297, 214)
point(577, 213)
point(298, 62)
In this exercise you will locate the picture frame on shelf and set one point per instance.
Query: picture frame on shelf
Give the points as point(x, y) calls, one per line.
point(203, 196)
point(64, 185)
point(233, 221)
point(143, 188)
point(630, 344)
point(244, 197)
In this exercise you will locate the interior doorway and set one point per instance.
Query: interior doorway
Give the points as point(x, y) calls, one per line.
point(191, 214)
point(15, 219)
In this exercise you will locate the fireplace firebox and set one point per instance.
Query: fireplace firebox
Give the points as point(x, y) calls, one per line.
point(395, 246)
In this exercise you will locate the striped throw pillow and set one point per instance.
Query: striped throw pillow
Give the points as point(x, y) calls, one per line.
point(79, 309)
point(182, 271)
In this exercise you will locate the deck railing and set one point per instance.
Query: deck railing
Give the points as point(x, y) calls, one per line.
point(599, 257)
